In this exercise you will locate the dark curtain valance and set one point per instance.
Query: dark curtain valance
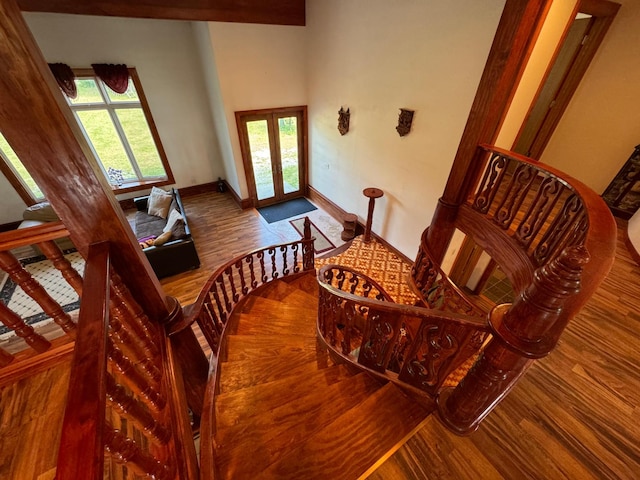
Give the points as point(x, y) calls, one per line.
point(116, 77)
point(65, 78)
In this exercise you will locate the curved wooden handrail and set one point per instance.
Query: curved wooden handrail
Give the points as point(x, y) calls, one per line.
point(227, 299)
point(357, 283)
point(555, 239)
point(412, 346)
point(216, 302)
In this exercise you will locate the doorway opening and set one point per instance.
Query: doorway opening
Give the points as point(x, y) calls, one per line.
point(571, 60)
point(274, 152)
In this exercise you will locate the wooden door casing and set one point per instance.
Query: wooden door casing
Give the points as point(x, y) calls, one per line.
point(271, 116)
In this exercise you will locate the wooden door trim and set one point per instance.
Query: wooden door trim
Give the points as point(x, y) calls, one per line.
point(603, 12)
point(303, 135)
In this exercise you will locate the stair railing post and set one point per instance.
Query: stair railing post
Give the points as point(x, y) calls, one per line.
point(527, 330)
point(307, 246)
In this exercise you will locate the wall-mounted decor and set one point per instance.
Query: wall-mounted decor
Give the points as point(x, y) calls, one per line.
point(343, 121)
point(404, 121)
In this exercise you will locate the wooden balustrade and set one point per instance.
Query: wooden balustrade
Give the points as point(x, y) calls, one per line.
point(29, 242)
point(539, 225)
point(413, 346)
point(120, 402)
point(234, 280)
point(221, 294)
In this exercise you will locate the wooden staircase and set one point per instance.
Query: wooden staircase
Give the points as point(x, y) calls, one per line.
point(286, 410)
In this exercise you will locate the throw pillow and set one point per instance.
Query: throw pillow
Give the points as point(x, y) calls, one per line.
point(174, 216)
point(162, 239)
point(178, 230)
point(159, 202)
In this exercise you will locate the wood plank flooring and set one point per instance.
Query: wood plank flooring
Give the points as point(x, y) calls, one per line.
point(575, 414)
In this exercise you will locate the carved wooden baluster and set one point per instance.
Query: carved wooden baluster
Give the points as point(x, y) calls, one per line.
point(232, 282)
point(24, 331)
point(274, 268)
point(307, 246)
point(126, 451)
point(285, 251)
point(134, 347)
point(134, 410)
point(243, 283)
point(225, 295)
point(53, 253)
point(130, 310)
point(209, 325)
point(252, 273)
point(134, 379)
point(216, 297)
point(36, 291)
point(5, 358)
point(528, 329)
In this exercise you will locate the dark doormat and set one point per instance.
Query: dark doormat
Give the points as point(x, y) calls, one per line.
point(292, 208)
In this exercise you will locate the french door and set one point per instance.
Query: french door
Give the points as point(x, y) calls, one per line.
point(274, 146)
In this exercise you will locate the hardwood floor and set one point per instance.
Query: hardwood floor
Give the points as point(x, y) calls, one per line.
point(575, 414)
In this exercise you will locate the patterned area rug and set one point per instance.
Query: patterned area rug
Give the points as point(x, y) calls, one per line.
point(321, 244)
point(53, 282)
point(382, 265)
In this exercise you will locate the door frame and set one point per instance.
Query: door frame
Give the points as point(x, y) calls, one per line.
point(274, 141)
point(603, 13)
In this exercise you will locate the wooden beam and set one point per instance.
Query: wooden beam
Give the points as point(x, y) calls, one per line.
point(38, 124)
point(276, 12)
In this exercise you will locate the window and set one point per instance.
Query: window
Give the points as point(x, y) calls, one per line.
point(120, 132)
point(18, 175)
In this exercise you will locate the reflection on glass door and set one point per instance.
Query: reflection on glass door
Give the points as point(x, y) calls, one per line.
point(273, 149)
point(288, 139)
point(258, 136)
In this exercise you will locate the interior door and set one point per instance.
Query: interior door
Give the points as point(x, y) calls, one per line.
point(273, 144)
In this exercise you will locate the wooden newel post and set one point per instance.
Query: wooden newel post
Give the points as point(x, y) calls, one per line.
point(522, 332)
point(307, 246)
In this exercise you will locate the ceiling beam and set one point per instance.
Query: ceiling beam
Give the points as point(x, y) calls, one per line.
point(275, 12)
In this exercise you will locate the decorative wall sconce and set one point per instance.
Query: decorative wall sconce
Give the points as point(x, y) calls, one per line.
point(343, 121)
point(404, 121)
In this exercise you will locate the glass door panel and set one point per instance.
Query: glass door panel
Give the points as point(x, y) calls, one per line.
point(258, 135)
point(288, 136)
point(273, 144)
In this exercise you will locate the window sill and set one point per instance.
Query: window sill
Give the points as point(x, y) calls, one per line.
point(137, 186)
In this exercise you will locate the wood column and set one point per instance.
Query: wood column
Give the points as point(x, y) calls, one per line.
point(516, 34)
point(40, 127)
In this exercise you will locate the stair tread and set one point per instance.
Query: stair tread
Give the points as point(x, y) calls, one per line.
point(296, 324)
point(235, 375)
point(283, 290)
point(244, 347)
point(255, 303)
point(306, 283)
point(233, 406)
point(359, 436)
point(277, 430)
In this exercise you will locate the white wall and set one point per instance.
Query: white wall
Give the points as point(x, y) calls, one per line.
point(166, 59)
point(258, 66)
point(375, 57)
